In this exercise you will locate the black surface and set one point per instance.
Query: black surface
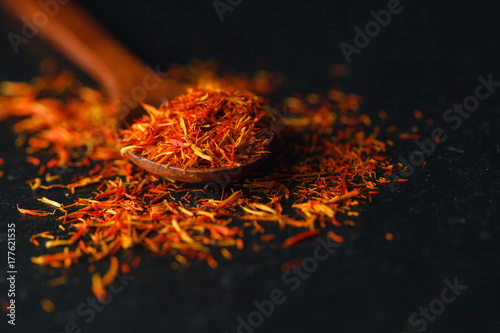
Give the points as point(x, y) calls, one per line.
point(444, 219)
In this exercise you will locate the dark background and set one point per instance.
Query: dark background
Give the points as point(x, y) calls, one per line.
point(444, 219)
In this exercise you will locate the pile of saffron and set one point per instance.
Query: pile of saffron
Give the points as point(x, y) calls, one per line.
point(202, 129)
point(326, 163)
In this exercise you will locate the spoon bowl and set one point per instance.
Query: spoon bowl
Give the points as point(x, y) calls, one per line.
point(197, 175)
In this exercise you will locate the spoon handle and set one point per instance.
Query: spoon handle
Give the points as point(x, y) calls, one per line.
point(77, 35)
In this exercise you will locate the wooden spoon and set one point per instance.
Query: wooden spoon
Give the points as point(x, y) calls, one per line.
point(194, 175)
point(126, 78)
